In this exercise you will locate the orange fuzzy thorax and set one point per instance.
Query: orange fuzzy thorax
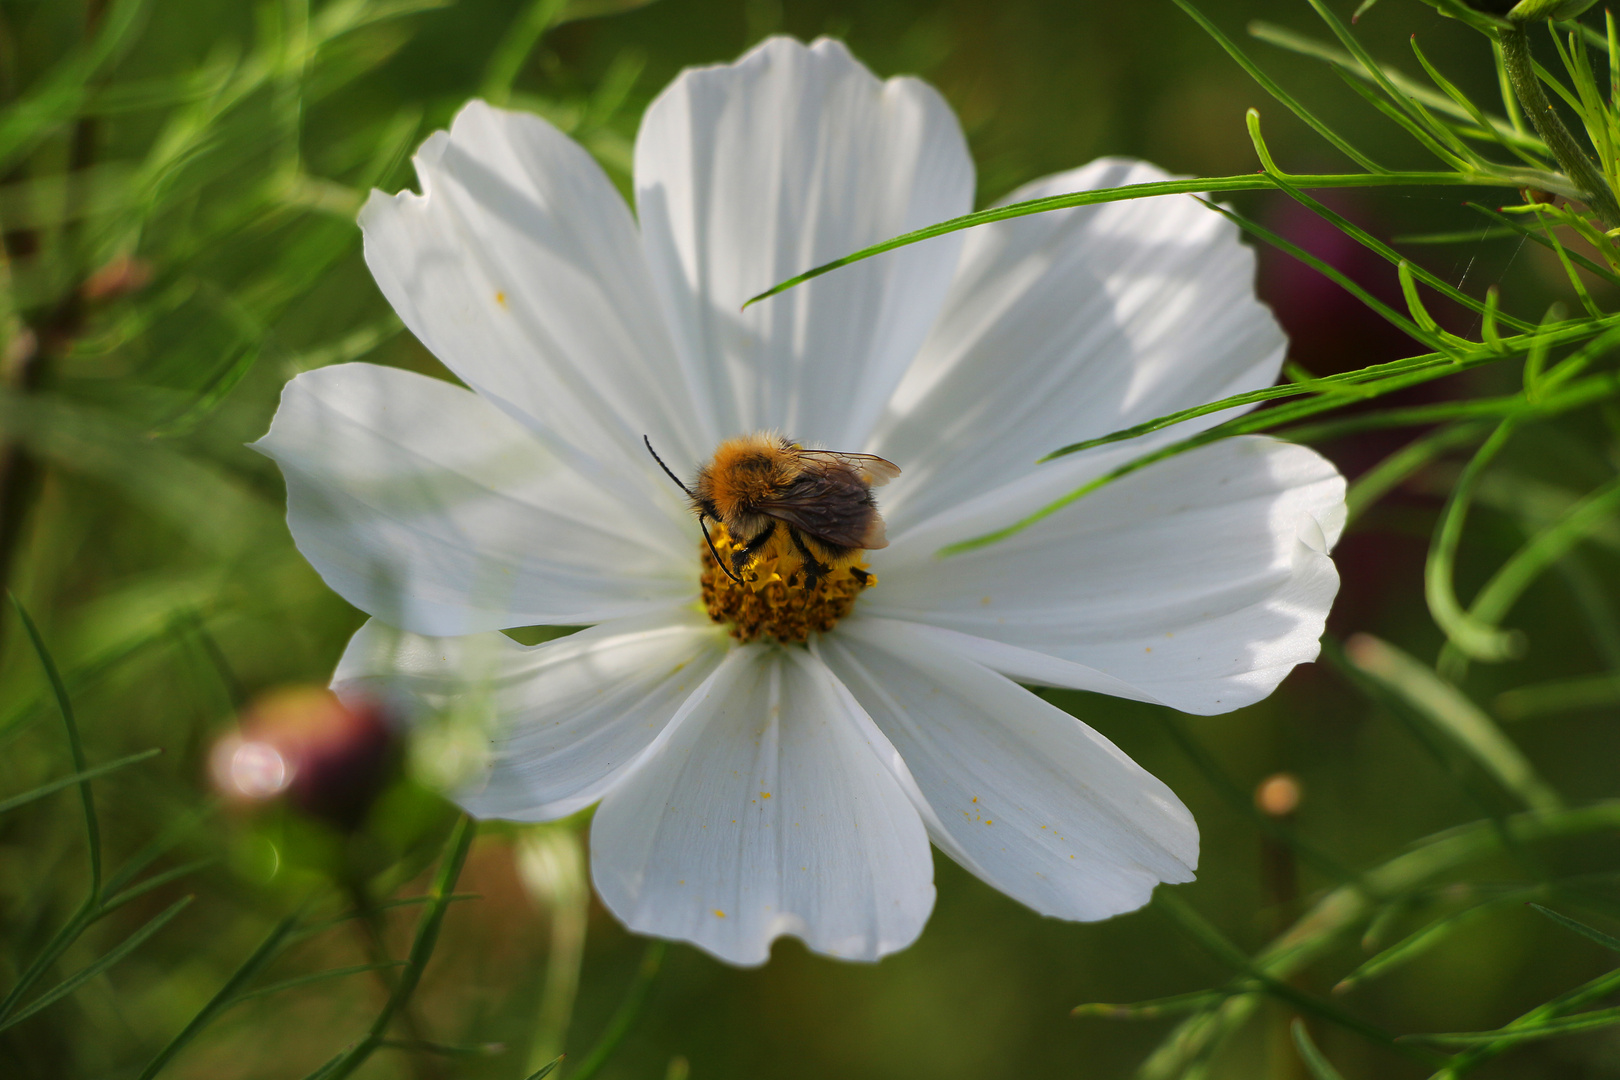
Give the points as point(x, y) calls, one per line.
point(746, 471)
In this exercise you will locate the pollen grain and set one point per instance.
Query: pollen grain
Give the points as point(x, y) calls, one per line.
point(772, 602)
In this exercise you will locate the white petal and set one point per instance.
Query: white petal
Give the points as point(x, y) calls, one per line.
point(1200, 581)
point(770, 806)
point(1018, 791)
point(1069, 325)
point(749, 173)
point(565, 720)
point(520, 267)
point(421, 503)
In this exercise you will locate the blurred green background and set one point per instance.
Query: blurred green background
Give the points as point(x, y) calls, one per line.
point(216, 154)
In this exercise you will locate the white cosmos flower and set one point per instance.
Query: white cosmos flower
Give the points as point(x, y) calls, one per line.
point(753, 790)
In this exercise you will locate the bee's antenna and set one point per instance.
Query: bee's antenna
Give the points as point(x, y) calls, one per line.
point(667, 471)
point(718, 561)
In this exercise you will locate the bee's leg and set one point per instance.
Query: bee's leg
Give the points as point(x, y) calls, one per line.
point(861, 576)
point(745, 554)
point(813, 568)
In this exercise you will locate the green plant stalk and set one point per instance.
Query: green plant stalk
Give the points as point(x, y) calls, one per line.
point(1477, 640)
point(1549, 125)
point(1390, 473)
point(92, 826)
point(1493, 602)
point(1201, 931)
point(626, 1015)
point(1320, 1067)
point(1500, 177)
point(427, 938)
point(568, 910)
point(1350, 905)
point(1463, 722)
point(227, 995)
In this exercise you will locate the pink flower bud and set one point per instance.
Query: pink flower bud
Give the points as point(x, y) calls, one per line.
point(326, 755)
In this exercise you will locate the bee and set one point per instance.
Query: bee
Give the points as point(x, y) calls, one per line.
point(761, 484)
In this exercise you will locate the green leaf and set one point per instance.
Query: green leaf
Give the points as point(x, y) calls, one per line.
point(514, 48)
point(1494, 127)
point(222, 999)
point(1276, 91)
point(625, 1017)
point(1510, 581)
point(116, 900)
point(154, 849)
point(1320, 1067)
point(1195, 1001)
point(1394, 470)
point(1573, 1025)
point(422, 946)
point(73, 982)
point(1249, 182)
point(1203, 932)
point(1419, 942)
point(317, 977)
point(1340, 912)
point(1536, 235)
point(1608, 941)
point(1559, 695)
point(1477, 640)
point(92, 825)
point(1453, 715)
point(1405, 267)
point(545, 1070)
point(60, 93)
point(77, 778)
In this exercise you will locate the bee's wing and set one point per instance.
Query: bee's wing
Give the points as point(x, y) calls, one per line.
point(874, 470)
point(831, 502)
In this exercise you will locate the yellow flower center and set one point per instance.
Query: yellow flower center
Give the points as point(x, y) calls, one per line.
point(772, 600)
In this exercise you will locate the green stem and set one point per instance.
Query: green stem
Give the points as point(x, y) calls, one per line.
point(1350, 905)
point(625, 1018)
point(1549, 125)
point(427, 937)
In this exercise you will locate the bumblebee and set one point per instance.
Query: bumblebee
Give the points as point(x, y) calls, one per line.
point(761, 486)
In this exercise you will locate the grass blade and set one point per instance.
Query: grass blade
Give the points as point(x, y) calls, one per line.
point(1461, 721)
point(92, 826)
point(1476, 640)
point(1561, 695)
point(226, 994)
point(1320, 1067)
point(624, 1019)
point(1395, 469)
point(77, 778)
point(78, 979)
point(117, 900)
point(422, 946)
point(1166, 1006)
point(1246, 182)
point(1608, 941)
point(317, 977)
point(1572, 1025)
point(1276, 91)
point(1419, 942)
point(1201, 931)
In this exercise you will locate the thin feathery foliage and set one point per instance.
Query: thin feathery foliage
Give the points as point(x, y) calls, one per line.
point(178, 189)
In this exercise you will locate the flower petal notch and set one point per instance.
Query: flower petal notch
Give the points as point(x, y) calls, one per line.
point(761, 775)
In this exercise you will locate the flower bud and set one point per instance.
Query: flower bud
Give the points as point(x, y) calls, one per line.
point(1278, 796)
point(326, 755)
point(122, 275)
